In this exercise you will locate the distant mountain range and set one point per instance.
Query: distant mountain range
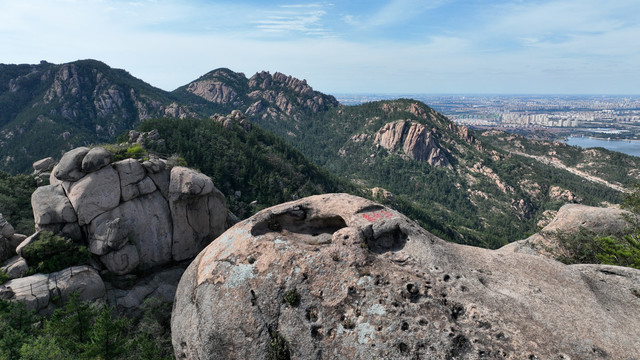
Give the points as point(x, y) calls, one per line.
point(478, 188)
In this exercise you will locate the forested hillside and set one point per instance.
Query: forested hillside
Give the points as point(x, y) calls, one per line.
point(489, 195)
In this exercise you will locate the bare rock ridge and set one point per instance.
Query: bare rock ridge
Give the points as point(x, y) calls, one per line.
point(340, 277)
point(132, 215)
point(414, 139)
point(263, 96)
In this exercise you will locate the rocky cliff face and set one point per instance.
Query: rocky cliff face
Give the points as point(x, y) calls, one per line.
point(336, 276)
point(414, 139)
point(132, 216)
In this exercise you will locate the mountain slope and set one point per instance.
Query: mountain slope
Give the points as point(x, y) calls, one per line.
point(69, 105)
point(489, 195)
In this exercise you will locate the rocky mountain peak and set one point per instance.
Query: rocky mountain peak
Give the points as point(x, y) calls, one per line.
point(415, 140)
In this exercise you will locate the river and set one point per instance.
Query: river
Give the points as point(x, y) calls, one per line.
point(623, 146)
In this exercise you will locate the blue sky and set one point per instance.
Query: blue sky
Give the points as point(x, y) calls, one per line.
point(375, 46)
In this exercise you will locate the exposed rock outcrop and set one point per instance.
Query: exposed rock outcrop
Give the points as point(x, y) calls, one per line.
point(38, 291)
point(570, 219)
point(336, 276)
point(131, 216)
point(415, 140)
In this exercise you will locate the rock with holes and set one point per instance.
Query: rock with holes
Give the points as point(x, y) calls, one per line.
point(340, 277)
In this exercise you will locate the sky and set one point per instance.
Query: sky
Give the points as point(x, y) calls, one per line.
point(340, 47)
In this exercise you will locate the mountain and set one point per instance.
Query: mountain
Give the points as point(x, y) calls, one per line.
point(484, 189)
point(87, 102)
point(486, 192)
point(275, 101)
point(69, 105)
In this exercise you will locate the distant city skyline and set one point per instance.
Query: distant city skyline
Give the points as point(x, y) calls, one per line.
point(341, 47)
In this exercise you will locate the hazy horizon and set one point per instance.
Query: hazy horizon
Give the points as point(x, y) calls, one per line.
point(554, 47)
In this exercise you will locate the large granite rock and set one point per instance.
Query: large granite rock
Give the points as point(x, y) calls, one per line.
point(40, 291)
point(94, 194)
point(197, 209)
point(144, 222)
point(571, 218)
point(340, 277)
point(132, 215)
point(96, 159)
point(51, 205)
point(6, 234)
point(70, 166)
point(131, 173)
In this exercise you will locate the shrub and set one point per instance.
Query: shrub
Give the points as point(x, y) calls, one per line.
point(3, 277)
point(292, 297)
point(278, 347)
point(50, 253)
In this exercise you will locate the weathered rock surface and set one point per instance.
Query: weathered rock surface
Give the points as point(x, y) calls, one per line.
point(571, 218)
point(51, 205)
point(7, 246)
point(197, 210)
point(135, 218)
point(37, 290)
point(45, 164)
point(94, 194)
point(96, 159)
point(414, 139)
point(340, 277)
point(15, 267)
point(70, 166)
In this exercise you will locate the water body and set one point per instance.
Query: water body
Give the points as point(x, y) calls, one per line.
point(623, 146)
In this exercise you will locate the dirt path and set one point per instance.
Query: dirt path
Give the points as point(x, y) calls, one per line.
point(575, 171)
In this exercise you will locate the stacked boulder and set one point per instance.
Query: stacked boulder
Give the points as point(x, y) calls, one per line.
point(132, 215)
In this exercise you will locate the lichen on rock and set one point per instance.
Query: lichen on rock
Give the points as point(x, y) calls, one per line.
point(372, 284)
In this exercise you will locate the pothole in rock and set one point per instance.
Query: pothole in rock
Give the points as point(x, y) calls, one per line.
point(393, 239)
point(296, 225)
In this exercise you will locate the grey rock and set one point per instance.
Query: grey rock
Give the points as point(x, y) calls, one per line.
point(52, 179)
point(96, 159)
point(71, 231)
point(6, 229)
point(15, 240)
point(16, 267)
point(571, 218)
point(161, 179)
point(70, 166)
point(146, 186)
point(35, 236)
point(36, 291)
point(149, 224)
point(187, 182)
point(196, 222)
point(372, 284)
point(130, 172)
point(45, 164)
point(122, 261)
point(51, 205)
point(95, 194)
point(154, 165)
point(109, 235)
point(161, 285)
